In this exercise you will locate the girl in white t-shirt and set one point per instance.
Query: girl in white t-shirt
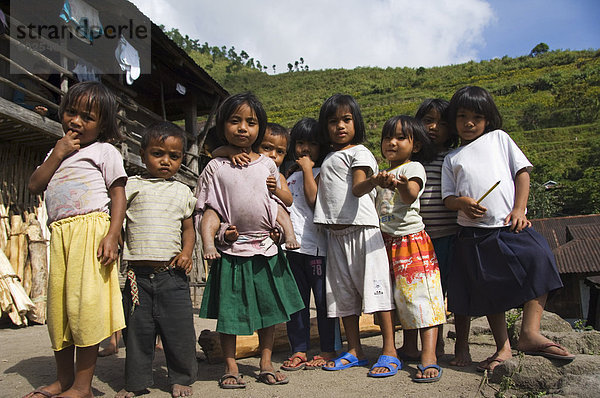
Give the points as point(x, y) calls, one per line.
point(357, 279)
point(309, 262)
point(500, 262)
point(413, 264)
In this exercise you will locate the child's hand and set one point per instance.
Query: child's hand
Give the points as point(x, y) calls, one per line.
point(108, 250)
point(183, 261)
point(240, 159)
point(231, 234)
point(41, 110)
point(518, 220)
point(68, 144)
point(400, 182)
point(384, 179)
point(271, 184)
point(471, 208)
point(305, 162)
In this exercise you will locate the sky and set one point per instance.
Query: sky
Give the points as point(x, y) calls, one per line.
point(383, 33)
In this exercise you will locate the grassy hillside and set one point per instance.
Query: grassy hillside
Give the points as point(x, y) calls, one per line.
point(550, 104)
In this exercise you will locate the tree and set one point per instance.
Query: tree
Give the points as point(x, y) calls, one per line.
point(541, 48)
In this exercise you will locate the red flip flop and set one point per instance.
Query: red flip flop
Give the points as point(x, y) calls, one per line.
point(299, 366)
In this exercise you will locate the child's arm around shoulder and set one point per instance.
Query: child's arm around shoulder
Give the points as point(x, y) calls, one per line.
point(108, 250)
point(236, 155)
point(282, 192)
point(40, 178)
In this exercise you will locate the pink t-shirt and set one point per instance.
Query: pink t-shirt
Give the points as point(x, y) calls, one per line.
point(81, 182)
point(240, 196)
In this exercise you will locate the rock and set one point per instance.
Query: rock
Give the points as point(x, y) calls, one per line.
point(580, 378)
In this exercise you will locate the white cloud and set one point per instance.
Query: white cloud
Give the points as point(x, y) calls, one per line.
point(333, 33)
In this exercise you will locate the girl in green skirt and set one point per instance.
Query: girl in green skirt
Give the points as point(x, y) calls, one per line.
point(250, 286)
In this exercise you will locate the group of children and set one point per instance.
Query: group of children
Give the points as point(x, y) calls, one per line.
point(389, 242)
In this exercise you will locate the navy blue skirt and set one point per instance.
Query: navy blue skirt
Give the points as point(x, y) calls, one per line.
point(494, 270)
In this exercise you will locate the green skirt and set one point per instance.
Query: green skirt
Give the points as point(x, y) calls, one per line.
point(245, 294)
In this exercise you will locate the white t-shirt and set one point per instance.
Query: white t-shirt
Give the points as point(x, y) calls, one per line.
point(312, 238)
point(474, 168)
point(336, 204)
point(80, 184)
point(395, 217)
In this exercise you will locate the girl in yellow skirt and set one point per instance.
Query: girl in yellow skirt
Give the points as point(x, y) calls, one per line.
point(417, 284)
point(84, 180)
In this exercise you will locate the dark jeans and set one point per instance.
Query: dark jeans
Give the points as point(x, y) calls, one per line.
point(309, 272)
point(165, 309)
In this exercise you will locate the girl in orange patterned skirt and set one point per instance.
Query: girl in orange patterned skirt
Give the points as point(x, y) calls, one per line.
point(417, 283)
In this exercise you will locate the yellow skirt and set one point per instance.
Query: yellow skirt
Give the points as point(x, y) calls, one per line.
point(84, 298)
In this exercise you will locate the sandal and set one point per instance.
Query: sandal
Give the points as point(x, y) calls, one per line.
point(422, 369)
point(386, 361)
point(263, 377)
point(239, 383)
point(352, 361)
point(485, 365)
point(316, 358)
point(299, 366)
point(40, 391)
point(541, 351)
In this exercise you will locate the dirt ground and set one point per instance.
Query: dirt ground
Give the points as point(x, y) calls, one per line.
point(26, 362)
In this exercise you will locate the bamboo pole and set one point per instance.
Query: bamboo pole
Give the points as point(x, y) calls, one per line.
point(15, 228)
point(39, 269)
point(13, 299)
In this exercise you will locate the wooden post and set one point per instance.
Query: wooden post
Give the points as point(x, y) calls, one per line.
point(191, 126)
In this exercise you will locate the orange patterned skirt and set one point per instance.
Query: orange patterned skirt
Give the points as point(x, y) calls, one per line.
point(417, 283)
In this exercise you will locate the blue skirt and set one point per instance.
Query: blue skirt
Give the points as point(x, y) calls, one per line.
point(494, 270)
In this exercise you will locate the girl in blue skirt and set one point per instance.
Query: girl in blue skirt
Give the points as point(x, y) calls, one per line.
point(499, 262)
point(250, 286)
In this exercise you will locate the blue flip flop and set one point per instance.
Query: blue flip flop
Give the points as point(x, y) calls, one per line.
point(352, 361)
point(429, 379)
point(386, 361)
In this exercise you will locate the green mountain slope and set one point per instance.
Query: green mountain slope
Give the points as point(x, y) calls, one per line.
point(549, 102)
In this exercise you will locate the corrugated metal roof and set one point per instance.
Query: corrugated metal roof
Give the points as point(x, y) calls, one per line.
point(575, 242)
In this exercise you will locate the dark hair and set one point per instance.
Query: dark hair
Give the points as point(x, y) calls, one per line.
point(307, 129)
point(415, 130)
point(277, 130)
point(331, 106)
point(440, 106)
point(97, 96)
point(231, 104)
point(475, 99)
point(160, 131)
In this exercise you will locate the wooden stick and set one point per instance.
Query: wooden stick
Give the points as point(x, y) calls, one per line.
point(488, 192)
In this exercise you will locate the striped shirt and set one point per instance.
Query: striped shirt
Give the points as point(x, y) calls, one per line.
point(439, 221)
point(156, 209)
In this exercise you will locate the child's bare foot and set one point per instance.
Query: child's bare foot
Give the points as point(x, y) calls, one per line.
point(461, 359)
point(111, 349)
point(72, 393)
point(182, 391)
point(125, 394)
point(292, 243)
point(231, 234)
point(210, 252)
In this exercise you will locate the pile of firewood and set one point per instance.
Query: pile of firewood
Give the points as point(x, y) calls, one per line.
point(23, 265)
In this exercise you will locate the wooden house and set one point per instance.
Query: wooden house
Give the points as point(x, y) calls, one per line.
point(161, 82)
point(170, 87)
point(575, 242)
